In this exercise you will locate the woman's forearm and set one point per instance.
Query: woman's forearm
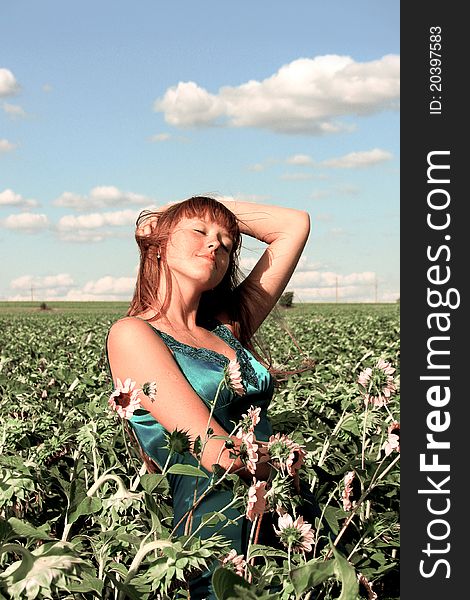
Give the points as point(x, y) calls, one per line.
point(268, 223)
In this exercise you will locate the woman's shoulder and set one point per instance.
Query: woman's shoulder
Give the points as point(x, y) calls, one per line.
point(130, 330)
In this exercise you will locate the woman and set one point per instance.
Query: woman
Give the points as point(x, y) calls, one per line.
point(189, 317)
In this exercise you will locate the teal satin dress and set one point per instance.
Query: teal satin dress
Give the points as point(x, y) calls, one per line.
point(204, 370)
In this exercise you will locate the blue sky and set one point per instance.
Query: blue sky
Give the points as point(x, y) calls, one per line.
point(110, 107)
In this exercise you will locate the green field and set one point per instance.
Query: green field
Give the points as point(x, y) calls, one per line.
point(62, 452)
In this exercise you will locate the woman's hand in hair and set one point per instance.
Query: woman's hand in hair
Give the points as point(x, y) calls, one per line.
point(148, 223)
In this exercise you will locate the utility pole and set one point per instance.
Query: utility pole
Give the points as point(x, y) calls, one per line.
point(336, 289)
point(32, 288)
point(376, 287)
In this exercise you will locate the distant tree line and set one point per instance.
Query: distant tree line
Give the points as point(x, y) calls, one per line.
point(286, 299)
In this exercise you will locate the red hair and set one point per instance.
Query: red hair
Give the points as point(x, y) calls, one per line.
point(226, 298)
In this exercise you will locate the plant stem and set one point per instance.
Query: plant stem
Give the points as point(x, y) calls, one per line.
point(189, 522)
point(250, 541)
point(67, 525)
point(167, 462)
point(326, 445)
point(203, 524)
point(138, 558)
point(201, 497)
point(122, 488)
point(364, 429)
point(373, 482)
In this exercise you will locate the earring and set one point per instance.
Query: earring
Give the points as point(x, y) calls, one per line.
point(158, 256)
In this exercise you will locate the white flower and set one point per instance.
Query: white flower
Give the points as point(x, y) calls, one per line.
point(346, 493)
point(378, 383)
point(237, 561)
point(297, 534)
point(285, 453)
point(256, 500)
point(150, 390)
point(393, 441)
point(233, 377)
point(125, 398)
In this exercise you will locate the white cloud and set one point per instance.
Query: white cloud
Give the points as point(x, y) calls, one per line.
point(26, 222)
point(48, 287)
point(101, 196)
point(257, 167)
point(94, 227)
point(309, 278)
point(321, 194)
point(6, 146)
point(188, 105)
point(356, 160)
point(61, 280)
point(97, 220)
point(47, 88)
point(160, 137)
point(306, 96)
point(14, 111)
point(116, 286)
point(323, 218)
point(313, 284)
point(8, 83)
point(9, 198)
point(63, 287)
point(300, 160)
point(310, 283)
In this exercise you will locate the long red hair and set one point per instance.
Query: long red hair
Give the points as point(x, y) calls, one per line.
point(227, 298)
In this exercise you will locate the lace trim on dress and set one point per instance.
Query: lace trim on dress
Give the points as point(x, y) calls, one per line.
point(248, 372)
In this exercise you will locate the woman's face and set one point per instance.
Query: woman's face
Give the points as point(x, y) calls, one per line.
point(198, 251)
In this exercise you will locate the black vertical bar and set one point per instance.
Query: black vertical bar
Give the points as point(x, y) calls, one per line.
point(434, 291)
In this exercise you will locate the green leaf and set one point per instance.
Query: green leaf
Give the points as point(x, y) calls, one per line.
point(24, 529)
point(186, 470)
point(5, 530)
point(316, 571)
point(260, 550)
point(151, 481)
point(87, 506)
point(212, 518)
point(350, 424)
point(311, 574)
point(347, 575)
point(224, 581)
point(87, 583)
point(332, 516)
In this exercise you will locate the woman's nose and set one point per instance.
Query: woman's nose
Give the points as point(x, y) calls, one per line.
point(213, 243)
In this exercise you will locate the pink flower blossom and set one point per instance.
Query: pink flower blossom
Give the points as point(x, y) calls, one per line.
point(125, 398)
point(378, 383)
point(235, 560)
point(256, 504)
point(393, 441)
point(348, 479)
point(364, 377)
point(248, 451)
point(385, 366)
point(297, 534)
point(250, 419)
point(233, 377)
point(285, 453)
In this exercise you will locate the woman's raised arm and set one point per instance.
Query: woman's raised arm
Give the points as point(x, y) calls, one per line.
point(285, 231)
